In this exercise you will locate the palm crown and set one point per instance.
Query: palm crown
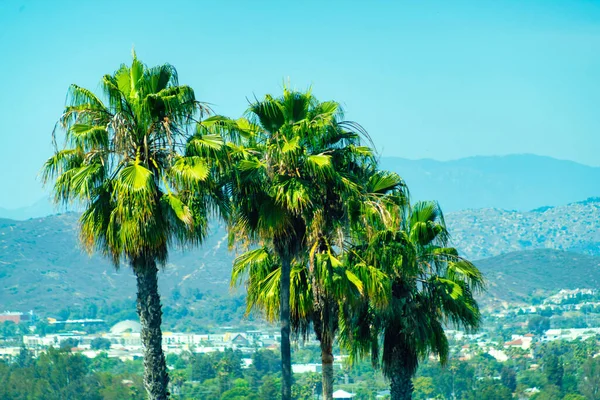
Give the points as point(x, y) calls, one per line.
point(296, 166)
point(124, 163)
point(430, 286)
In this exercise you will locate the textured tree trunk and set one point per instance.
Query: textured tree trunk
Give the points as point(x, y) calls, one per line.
point(401, 387)
point(156, 379)
point(325, 324)
point(327, 366)
point(286, 355)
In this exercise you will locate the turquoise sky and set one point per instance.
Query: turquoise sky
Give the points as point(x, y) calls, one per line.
point(428, 79)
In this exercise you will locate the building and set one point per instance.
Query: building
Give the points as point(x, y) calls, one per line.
point(304, 368)
point(126, 326)
point(16, 317)
point(343, 395)
point(521, 342)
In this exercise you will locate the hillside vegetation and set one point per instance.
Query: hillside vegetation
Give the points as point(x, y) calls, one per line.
point(490, 232)
point(43, 267)
point(519, 276)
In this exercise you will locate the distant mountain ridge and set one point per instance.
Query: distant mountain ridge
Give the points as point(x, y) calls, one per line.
point(42, 266)
point(514, 182)
point(41, 208)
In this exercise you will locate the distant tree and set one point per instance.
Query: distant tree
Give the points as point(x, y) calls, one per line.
point(8, 329)
point(508, 377)
point(549, 392)
point(228, 368)
point(573, 396)
point(589, 385)
point(494, 391)
point(532, 379)
point(538, 324)
point(269, 389)
point(266, 361)
point(64, 314)
point(424, 388)
point(202, 368)
point(554, 370)
point(25, 358)
point(91, 311)
point(100, 344)
point(68, 344)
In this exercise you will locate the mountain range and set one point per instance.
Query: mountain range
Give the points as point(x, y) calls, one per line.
point(518, 216)
point(513, 182)
point(42, 266)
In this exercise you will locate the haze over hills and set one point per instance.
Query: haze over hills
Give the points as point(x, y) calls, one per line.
point(514, 182)
point(40, 208)
point(43, 268)
point(515, 276)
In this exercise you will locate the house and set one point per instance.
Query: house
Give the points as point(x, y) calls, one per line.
point(520, 342)
point(9, 353)
point(499, 355)
point(304, 368)
point(240, 341)
point(16, 317)
point(342, 394)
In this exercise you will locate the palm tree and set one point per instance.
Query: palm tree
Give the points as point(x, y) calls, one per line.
point(290, 152)
point(320, 283)
point(262, 269)
point(124, 161)
point(336, 283)
point(430, 286)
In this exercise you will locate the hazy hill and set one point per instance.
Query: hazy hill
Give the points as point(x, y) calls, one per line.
point(491, 232)
point(515, 276)
point(514, 182)
point(41, 208)
point(43, 268)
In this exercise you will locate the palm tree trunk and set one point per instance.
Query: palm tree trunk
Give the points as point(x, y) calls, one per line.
point(286, 355)
point(325, 314)
point(401, 387)
point(156, 379)
point(327, 366)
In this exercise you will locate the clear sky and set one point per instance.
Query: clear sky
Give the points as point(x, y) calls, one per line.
point(428, 79)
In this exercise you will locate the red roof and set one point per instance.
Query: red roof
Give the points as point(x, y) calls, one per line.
point(517, 342)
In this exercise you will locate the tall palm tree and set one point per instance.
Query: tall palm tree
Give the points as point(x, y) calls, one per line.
point(124, 162)
point(289, 153)
point(322, 282)
point(334, 282)
point(262, 271)
point(430, 286)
